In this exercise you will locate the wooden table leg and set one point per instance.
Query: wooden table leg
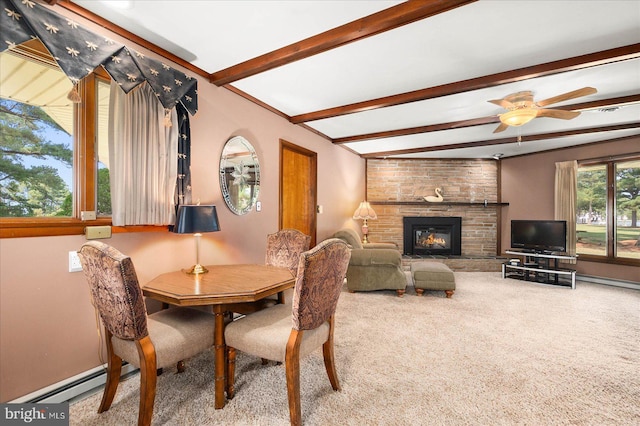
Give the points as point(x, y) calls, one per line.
point(220, 349)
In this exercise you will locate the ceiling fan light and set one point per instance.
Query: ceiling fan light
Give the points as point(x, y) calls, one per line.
point(518, 117)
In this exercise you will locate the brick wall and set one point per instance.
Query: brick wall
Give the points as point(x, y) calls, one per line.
point(461, 181)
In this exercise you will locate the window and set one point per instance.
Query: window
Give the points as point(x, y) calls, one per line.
point(54, 160)
point(103, 196)
point(608, 203)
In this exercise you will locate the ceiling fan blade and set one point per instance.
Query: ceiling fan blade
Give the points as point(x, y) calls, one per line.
point(558, 113)
point(503, 103)
point(566, 96)
point(501, 128)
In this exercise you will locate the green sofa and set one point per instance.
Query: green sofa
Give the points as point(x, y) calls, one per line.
point(373, 266)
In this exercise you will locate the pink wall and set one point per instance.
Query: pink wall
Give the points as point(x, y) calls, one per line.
point(528, 187)
point(47, 325)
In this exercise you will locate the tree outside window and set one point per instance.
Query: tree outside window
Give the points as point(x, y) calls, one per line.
point(608, 204)
point(627, 175)
point(32, 165)
point(53, 153)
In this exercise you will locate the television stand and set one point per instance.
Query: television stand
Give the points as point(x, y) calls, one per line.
point(541, 268)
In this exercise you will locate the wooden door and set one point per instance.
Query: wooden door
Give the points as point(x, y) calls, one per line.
point(298, 189)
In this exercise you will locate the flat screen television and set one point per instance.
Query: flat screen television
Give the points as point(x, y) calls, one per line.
point(541, 236)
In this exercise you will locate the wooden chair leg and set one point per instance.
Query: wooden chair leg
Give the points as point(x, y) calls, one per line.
point(329, 360)
point(292, 367)
point(231, 372)
point(148, 380)
point(114, 367)
point(281, 298)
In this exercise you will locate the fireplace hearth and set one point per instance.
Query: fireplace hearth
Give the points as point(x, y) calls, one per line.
point(432, 235)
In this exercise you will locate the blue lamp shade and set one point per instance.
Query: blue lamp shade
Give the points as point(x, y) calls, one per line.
point(195, 219)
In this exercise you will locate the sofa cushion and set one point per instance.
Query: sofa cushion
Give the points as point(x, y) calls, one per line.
point(364, 257)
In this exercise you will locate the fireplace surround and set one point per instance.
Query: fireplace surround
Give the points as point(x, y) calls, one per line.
point(425, 235)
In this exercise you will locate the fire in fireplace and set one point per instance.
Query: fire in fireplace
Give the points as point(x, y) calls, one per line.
point(432, 235)
point(433, 239)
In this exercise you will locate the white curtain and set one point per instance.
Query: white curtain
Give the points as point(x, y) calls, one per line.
point(566, 198)
point(143, 158)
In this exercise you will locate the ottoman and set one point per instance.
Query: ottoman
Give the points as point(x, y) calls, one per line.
point(432, 276)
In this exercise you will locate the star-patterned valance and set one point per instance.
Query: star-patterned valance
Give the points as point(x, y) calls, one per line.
point(79, 51)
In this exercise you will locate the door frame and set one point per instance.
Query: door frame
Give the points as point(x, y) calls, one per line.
point(312, 193)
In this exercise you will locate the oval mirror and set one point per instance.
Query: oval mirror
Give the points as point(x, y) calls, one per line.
point(239, 175)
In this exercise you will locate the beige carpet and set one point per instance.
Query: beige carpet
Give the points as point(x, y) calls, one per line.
point(500, 352)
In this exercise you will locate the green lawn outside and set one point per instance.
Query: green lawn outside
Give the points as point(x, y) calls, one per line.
point(592, 240)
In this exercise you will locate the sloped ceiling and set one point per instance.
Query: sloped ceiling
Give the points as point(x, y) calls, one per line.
point(410, 79)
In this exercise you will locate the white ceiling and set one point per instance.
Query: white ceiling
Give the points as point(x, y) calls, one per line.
point(444, 54)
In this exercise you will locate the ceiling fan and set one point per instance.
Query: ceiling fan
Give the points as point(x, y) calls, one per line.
point(521, 108)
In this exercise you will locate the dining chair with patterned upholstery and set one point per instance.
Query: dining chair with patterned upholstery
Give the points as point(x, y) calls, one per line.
point(287, 333)
point(149, 342)
point(284, 248)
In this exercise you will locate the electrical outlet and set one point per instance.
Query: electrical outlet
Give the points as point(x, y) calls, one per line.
point(74, 262)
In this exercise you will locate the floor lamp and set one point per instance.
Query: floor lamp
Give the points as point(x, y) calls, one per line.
point(196, 219)
point(365, 212)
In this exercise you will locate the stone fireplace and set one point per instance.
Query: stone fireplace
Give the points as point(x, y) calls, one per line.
point(396, 190)
point(426, 235)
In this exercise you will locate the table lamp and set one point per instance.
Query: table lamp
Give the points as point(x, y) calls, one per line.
point(196, 219)
point(365, 212)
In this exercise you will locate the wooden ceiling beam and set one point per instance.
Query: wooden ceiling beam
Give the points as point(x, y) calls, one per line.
point(564, 65)
point(602, 103)
point(385, 20)
point(420, 129)
point(501, 141)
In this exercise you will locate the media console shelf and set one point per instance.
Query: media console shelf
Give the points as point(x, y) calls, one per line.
point(540, 268)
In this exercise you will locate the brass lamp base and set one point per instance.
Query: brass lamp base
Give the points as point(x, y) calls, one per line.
point(365, 232)
point(197, 269)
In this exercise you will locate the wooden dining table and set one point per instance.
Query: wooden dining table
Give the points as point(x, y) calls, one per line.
point(223, 288)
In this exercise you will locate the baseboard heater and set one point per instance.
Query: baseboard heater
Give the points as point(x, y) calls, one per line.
point(608, 281)
point(74, 388)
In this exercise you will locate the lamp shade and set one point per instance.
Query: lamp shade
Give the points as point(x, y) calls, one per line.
point(193, 219)
point(364, 211)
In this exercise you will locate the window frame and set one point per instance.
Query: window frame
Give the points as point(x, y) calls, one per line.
point(84, 177)
point(610, 257)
